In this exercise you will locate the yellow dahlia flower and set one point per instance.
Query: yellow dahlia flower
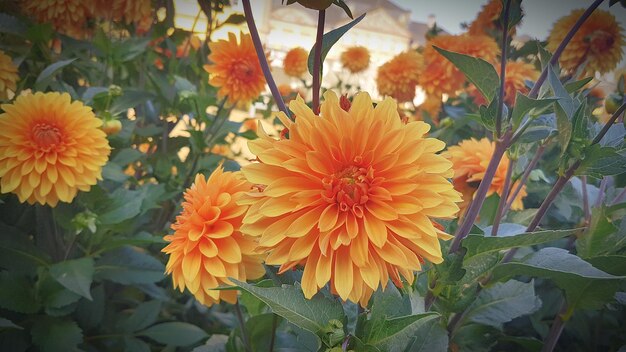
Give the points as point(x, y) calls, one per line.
point(207, 247)
point(349, 196)
point(295, 62)
point(8, 76)
point(597, 45)
point(236, 70)
point(355, 59)
point(470, 160)
point(66, 16)
point(517, 73)
point(440, 75)
point(50, 148)
point(399, 76)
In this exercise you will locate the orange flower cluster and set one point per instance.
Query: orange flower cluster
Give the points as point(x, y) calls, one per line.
point(597, 45)
point(355, 59)
point(8, 76)
point(488, 20)
point(440, 75)
point(470, 160)
point(399, 76)
point(517, 73)
point(295, 62)
point(235, 69)
point(350, 196)
point(207, 247)
point(50, 148)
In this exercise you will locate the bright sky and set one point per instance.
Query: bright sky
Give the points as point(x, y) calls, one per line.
point(540, 14)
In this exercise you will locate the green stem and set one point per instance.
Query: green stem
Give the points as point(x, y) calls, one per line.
point(244, 335)
point(48, 239)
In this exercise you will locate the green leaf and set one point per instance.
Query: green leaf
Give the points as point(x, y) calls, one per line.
point(525, 105)
point(235, 18)
point(585, 286)
point(488, 114)
point(602, 161)
point(124, 204)
point(601, 237)
point(216, 343)
point(477, 244)
point(144, 315)
point(12, 25)
point(329, 39)
point(133, 344)
point(389, 304)
point(129, 265)
point(288, 301)
point(6, 323)
point(17, 294)
point(18, 253)
point(175, 333)
point(575, 86)
point(44, 78)
point(565, 100)
point(56, 335)
point(76, 275)
point(89, 314)
point(564, 127)
point(612, 264)
point(344, 7)
point(399, 333)
point(478, 71)
point(114, 172)
point(502, 303)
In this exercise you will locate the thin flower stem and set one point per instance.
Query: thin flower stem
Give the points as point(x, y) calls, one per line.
point(317, 60)
point(586, 210)
point(559, 50)
point(608, 124)
point(481, 193)
point(242, 326)
point(503, 198)
point(601, 191)
point(262, 59)
point(505, 38)
point(273, 338)
point(618, 199)
point(555, 331)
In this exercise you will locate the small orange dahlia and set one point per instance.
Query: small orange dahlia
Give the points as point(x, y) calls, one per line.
point(440, 75)
point(517, 73)
point(355, 59)
point(399, 76)
point(138, 12)
point(295, 62)
point(431, 106)
point(8, 76)
point(487, 21)
point(597, 45)
point(66, 16)
point(470, 160)
point(349, 196)
point(50, 148)
point(236, 70)
point(207, 247)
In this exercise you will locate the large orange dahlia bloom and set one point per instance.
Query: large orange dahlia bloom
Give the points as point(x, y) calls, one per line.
point(517, 73)
point(470, 160)
point(50, 148)
point(66, 16)
point(487, 22)
point(399, 76)
point(350, 196)
point(440, 75)
point(207, 247)
point(295, 62)
point(8, 76)
point(236, 70)
point(597, 45)
point(355, 59)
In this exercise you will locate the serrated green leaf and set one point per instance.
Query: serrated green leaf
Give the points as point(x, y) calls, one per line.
point(601, 237)
point(129, 265)
point(76, 275)
point(43, 80)
point(502, 303)
point(602, 161)
point(17, 294)
point(585, 286)
point(144, 315)
point(174, 333)
point(123, 205)
point(56, 335)
point(398, 334)
point(389, 304)
point(288, 301)
point(563, 126)
point(565, 100)
point(525, 105)
point(575, 86)
point(477, 244)
point(478, 71)
point(329, 39)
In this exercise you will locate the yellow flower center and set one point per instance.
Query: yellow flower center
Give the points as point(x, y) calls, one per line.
point(46, 136)
point(349, 188)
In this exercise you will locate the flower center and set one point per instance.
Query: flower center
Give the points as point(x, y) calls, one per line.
point(46, 136)
point(242, 71)
point(601, 42)
point(349, 188)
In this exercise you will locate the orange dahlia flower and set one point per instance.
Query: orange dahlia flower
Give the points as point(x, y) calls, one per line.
point(470, 160)
point(440, 75)
point(488, 20)
point(207, 247)
point(432, 106)
point(66, 16)
point(349, 196)
point(138, 12)
point(295, 62)
point(236, 70)
point(8, 76)
point(355, 59)
point(517, 73)
point(399, 76)
point(50, 148)
point(597, 45)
